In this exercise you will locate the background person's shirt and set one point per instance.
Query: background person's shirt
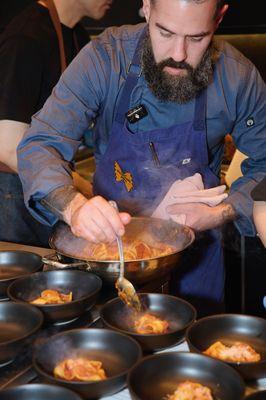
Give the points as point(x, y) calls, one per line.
point(259, 192)
point(30, 61)
point(90, 90)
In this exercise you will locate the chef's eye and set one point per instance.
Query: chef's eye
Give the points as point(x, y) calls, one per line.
point(196, 38)
point(165, 34)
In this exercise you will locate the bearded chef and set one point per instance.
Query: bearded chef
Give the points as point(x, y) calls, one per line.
point(162, 96)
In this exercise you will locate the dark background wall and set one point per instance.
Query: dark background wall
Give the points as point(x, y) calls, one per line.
point(244, 16)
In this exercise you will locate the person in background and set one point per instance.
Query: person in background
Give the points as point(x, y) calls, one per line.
point(258, 194)
point(163, 95)
point(35, 47)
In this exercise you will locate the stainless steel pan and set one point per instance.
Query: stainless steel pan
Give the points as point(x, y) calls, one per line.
point(70, 247)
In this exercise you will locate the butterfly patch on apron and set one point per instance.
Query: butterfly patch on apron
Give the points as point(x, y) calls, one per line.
point(125, 177)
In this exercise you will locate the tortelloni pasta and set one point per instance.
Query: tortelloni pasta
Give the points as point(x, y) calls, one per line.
point(52, 296)
point(80, 369)
point(188, 390)
point(149, 324)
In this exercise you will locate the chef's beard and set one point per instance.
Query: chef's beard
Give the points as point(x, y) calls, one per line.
point(179, 89)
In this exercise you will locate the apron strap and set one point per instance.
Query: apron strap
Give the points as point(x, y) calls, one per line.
point(57, 25)
point(199, 122)
point(133, 74)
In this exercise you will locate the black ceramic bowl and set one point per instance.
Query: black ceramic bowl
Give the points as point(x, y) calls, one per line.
point(257, 396)
point(117, 352)
point(15, 264)
point(18, 324)
point(179, 313)
point(157, 376)
point(85, 287)
point(230, 328)
point(38, 392)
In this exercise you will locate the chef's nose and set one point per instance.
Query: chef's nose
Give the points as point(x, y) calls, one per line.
point(179, 50)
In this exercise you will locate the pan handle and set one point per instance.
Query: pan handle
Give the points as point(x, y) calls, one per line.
point(52, 261)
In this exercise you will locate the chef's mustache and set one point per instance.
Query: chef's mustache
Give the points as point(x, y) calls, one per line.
point(170, 62)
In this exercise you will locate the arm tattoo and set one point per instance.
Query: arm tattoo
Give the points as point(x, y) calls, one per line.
point(58, 200)
point(228, 213)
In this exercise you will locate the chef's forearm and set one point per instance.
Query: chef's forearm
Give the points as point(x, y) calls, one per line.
point(63, 201)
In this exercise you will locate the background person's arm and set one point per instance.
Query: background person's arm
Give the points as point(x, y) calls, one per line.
point(259, 214)
point(11, 133)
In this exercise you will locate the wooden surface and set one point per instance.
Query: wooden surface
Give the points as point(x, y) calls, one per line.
point(14, 246)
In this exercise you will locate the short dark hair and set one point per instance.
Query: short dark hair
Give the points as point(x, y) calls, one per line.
point(220, 4)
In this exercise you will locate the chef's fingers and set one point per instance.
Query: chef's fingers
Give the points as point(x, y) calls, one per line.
point(95, 220)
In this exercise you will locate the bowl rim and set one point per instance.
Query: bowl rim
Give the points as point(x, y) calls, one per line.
point(187, 354)
point(33, 330)
point(151, 335)
point(84, 383)
point(27, 387)
point(11, 279)
point(218, 316)
point(43, 306)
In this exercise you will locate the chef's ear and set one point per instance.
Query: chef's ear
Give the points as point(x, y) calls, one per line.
point(221, 15)
point(146, 9)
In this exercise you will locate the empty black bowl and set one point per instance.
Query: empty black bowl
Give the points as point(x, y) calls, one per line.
point(18, 324)
point(85, 287)
point(15, 264)
point(179, 313)
point(230, 328)
point(157, 376)
point(117, 352)
point(38, 392)
point(257, 396)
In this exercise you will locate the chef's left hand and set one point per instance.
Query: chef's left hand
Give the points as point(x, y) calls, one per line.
point(201, 217)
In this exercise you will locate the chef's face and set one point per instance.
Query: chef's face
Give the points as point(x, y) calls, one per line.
point(96, 9)
point(181, 30)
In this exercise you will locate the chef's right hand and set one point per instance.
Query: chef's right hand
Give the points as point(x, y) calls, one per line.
point(95, 219)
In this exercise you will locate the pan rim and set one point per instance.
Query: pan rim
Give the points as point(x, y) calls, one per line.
point(184, 227)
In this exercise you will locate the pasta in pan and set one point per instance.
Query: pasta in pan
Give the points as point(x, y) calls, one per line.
point(136, 250)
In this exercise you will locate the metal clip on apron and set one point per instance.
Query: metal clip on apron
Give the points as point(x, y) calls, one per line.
point(200, 279)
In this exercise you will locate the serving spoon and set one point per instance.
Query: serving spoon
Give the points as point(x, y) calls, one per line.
point(126, 290)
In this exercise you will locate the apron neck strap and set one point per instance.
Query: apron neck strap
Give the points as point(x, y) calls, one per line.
point(133, 74)
point(199, 122)
point(57, 25)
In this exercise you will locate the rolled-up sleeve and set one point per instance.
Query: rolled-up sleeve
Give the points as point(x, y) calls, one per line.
point(55, 133)
point(249, 135)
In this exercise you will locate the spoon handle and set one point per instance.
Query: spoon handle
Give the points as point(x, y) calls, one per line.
point(120, 246)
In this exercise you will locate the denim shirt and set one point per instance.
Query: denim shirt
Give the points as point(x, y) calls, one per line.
point(89, 91)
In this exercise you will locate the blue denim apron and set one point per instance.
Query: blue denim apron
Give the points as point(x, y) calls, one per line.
point(137, 170)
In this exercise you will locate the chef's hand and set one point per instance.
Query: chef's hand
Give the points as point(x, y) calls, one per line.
point(95, 219)
point(201, 217)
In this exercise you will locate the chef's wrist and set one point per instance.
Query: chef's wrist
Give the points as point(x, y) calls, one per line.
point(63, 201)
point(225, 213)
point(77, 202)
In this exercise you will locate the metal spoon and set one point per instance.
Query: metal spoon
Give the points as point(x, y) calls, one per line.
point(126, 290)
